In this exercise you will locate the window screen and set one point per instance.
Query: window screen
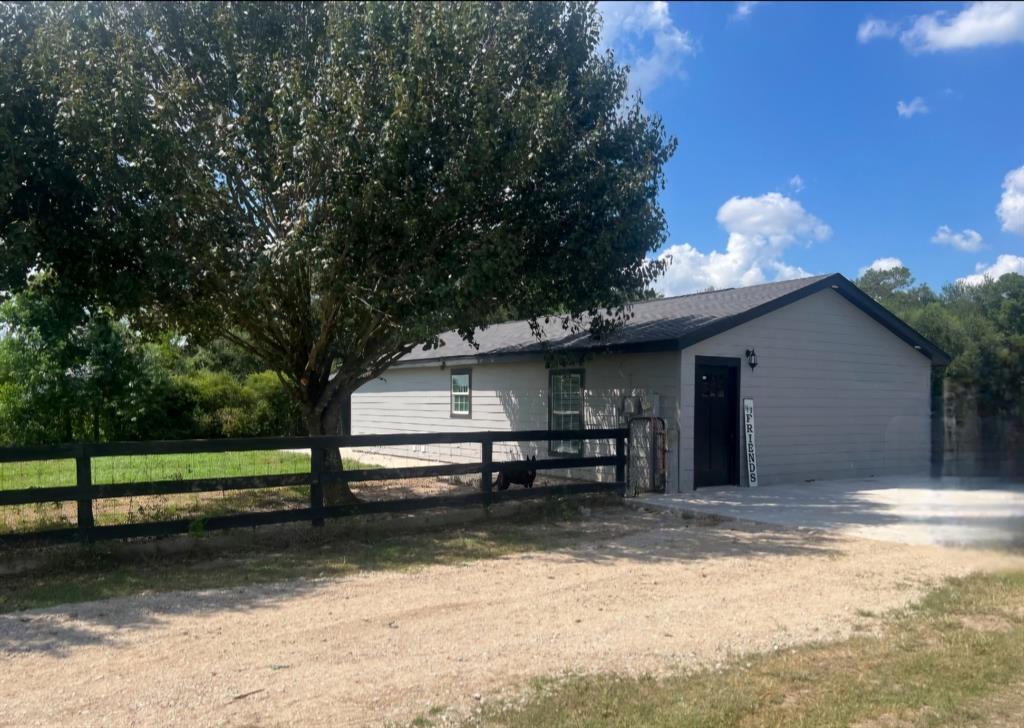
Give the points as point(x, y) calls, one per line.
point(565, 410)
point(461, 393)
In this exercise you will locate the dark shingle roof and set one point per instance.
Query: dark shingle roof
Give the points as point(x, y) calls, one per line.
point(663, 324)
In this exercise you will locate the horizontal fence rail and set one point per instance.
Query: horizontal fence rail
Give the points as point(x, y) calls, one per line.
point(85, 492)
point(245, 444)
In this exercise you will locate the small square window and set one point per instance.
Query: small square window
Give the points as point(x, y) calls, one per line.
point(462, 393)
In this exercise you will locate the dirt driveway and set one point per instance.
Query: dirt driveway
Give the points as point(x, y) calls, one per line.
point(658, 594)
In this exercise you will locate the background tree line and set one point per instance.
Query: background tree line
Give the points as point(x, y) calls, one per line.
point(88, 375)
point(982, 327)
point(93, 377)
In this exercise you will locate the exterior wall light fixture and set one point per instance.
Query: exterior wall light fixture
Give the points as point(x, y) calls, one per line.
point(751, 358)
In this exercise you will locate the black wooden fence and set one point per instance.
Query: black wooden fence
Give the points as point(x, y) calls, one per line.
point(84, 493)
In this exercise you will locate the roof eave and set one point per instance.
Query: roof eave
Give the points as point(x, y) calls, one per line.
point(836, 282)
point(634, 347)
point(847, 290)
point(891, 321)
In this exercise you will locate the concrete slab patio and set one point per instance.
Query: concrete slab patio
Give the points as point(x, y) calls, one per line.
point(946, 511)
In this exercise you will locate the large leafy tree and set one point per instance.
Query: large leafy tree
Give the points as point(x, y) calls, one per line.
point(331, 185)
point(50, 217)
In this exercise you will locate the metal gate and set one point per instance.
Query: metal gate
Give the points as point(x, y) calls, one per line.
point(647, 456)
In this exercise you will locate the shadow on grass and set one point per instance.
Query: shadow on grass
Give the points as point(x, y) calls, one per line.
point(258, 569)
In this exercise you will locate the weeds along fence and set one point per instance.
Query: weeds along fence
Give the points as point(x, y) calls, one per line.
point(291, 471)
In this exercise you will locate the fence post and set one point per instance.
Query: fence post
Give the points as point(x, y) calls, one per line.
point(620, 462)
point(316, 486)
point(83, 486)
point(486, 457)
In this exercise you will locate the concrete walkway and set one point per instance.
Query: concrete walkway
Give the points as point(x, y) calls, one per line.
point(947, 511)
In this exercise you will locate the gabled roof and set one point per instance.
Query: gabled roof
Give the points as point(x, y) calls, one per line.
point(667, 324)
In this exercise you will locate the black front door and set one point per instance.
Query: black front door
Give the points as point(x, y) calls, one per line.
point(716, 420)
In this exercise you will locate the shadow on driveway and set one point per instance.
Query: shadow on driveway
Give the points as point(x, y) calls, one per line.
point(610, 536)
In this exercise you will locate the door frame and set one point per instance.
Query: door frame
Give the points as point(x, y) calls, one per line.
point(734, 363)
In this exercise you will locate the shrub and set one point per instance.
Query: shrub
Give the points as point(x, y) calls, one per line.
point(225, 406)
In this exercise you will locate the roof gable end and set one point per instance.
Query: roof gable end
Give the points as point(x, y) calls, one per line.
point(672, 324)
point(847, 290)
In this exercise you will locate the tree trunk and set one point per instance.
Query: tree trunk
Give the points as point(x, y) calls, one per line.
point(333, 419)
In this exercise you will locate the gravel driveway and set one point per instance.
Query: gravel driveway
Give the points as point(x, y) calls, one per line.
point(390, 645)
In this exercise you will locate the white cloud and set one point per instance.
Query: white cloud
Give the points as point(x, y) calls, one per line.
point(744, 9)
point(1004, 264)
point(874, 28)
point(979, 24)
point(643, 36)
point(760, 229)
point(797, 183)
point(1011, 206)
point(908, 110)
point(882, 264)
point(968, 240)
point(776, 217)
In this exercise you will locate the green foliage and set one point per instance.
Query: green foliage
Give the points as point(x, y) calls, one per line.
point(276, 412)
point(980, 326)
point(197, 528)
point(895, 288)
point(218, 355)
point(226, 406)
point(51, 217)
point(329, 185)
point(89, 376)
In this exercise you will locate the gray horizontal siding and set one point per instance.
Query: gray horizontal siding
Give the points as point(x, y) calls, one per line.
point(510, 396)
point(835, 393)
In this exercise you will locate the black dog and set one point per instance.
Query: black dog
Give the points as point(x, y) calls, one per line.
point(517, 476)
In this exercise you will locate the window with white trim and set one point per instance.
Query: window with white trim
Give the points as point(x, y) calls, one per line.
point(565, 409)
point(462, 393)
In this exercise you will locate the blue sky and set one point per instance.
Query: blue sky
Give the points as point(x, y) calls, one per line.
point(824, 137)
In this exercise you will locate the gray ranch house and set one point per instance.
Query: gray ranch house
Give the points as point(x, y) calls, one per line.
point(838, 386)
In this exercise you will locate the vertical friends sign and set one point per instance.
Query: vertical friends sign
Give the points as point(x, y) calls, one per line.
point(748, 442)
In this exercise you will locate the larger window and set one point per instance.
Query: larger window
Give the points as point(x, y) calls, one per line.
point(462, 393)
point(565, 409)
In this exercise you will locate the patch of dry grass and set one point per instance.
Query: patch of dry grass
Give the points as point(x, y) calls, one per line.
point(955, 659)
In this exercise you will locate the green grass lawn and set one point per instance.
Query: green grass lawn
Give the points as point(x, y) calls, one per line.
point(134, 468)
point(138, 468)
point(955, 659)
